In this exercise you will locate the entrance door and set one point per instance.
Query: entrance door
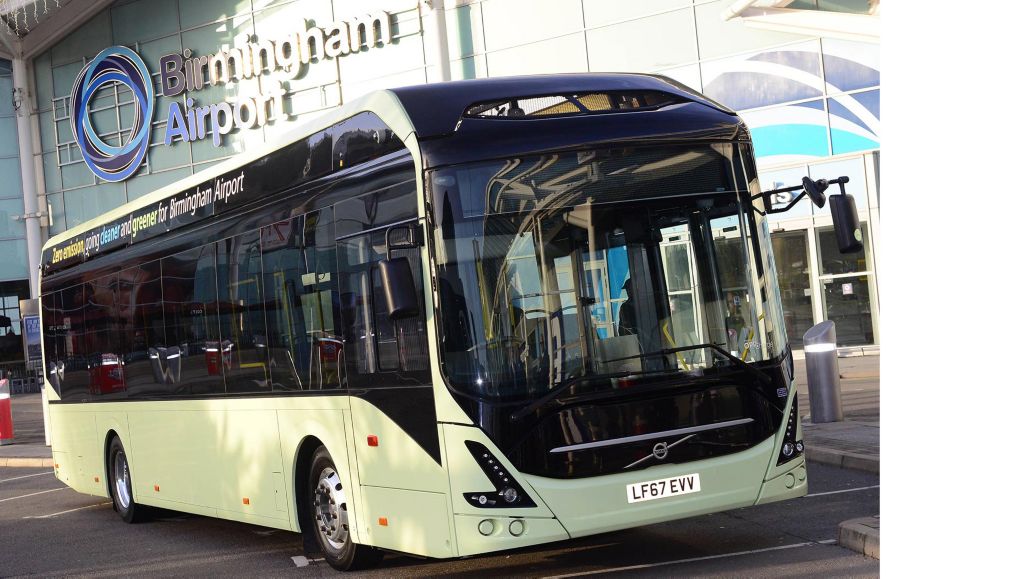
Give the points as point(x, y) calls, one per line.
point(847, 289)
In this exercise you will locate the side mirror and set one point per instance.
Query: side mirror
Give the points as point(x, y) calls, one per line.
point(846, 221)
point(399, 288)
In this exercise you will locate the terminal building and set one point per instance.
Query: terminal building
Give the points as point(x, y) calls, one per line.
point(104, 101)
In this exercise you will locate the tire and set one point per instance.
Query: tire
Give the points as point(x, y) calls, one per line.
point(120, 481)
point(329, 517)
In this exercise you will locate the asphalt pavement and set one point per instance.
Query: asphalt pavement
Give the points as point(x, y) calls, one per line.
point(47, 529)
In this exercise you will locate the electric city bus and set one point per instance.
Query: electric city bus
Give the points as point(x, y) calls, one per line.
point(442, 320)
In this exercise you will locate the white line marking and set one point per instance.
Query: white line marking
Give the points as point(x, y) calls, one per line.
point(67, 511)
point(34, 494)
point(27, 476)
point(843, 491)
point(679, 561)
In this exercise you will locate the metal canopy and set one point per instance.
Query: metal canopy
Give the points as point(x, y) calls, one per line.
point(30, 27)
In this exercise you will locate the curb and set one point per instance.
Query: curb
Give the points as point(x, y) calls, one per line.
point(862, 536)
point(858, 375)
point(847, 460)
point(26, 462)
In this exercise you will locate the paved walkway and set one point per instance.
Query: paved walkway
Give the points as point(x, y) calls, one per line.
point(29, 448)
point(854, 442)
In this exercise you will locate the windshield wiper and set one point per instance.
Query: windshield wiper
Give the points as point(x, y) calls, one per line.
point(543, 400)
point(745, 366)
point(563, 386)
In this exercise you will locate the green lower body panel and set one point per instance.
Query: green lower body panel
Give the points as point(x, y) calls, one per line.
point(483, 534)
point(600, 504)
point(791, 485)
point(414, 522)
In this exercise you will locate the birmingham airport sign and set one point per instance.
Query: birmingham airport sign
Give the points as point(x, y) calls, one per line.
point(189, 121)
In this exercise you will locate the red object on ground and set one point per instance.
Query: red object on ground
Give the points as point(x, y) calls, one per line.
point(6, 420)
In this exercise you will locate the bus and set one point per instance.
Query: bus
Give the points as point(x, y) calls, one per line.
point(442, 320)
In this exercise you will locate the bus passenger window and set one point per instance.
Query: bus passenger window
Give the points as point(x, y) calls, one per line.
point(51, 332)
point(70, 361)
point(378, 351)
point(298, 262)
point(191, 363)
point(140, 307)
point(243, 328)
point(102, 326)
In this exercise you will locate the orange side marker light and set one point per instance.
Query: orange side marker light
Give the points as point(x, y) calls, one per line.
point(372, 440)
point(245, 500)
point(383, 521)
point(156, 488)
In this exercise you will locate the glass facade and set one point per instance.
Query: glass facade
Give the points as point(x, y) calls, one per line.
point(812, 103)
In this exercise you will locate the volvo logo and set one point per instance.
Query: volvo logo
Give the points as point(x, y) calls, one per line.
point(115, 65)
point(660, 451)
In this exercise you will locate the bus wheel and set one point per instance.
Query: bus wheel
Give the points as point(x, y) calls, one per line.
point(329, 511)
point(121, 484)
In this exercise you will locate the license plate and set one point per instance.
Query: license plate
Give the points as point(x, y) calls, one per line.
point(666, 487)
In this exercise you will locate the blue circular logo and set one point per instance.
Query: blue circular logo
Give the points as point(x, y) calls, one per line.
point(116, 64)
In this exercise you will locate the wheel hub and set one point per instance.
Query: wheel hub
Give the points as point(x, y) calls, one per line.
point(330, 509)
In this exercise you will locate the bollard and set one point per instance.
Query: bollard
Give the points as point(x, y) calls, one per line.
point(6, 419)
point(823, 373)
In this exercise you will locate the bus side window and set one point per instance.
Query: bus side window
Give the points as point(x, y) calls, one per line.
point(191, 363)
point(102, 326)
point(243, 328)
point(378, 351)
point(70, 354)
point(140, 304)
point(298, 262)
point(52, 333)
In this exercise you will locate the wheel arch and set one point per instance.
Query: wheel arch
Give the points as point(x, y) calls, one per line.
point(107, 442)
point(300, 472)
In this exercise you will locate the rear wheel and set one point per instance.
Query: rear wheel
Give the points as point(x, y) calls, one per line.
point(330, 520)
point(120, 479)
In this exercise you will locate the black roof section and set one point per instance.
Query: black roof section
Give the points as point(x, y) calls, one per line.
point(435, 109)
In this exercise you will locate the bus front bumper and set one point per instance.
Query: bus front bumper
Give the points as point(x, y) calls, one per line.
point(602, 504)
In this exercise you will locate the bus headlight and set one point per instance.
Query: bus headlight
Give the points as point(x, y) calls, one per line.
point(511, 493)
point(791, 447)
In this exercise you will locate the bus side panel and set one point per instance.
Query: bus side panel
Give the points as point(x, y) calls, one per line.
point(75, 440)
point(250, 480)
point(397, 461)
point(326, 421)
point(175, 455)
point(408, 521)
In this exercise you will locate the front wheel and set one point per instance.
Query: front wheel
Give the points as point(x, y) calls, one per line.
point(330, 517)
point(121, 484)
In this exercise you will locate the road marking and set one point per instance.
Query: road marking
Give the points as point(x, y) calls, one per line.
point(67, 511)
point(843, 491)
point(691, 560)
point(34, 494)
point(26, 476)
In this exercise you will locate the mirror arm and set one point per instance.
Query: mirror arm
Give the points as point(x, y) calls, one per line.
point(765, 196)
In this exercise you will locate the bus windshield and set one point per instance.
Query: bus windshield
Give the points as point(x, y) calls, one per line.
point(616, 265)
